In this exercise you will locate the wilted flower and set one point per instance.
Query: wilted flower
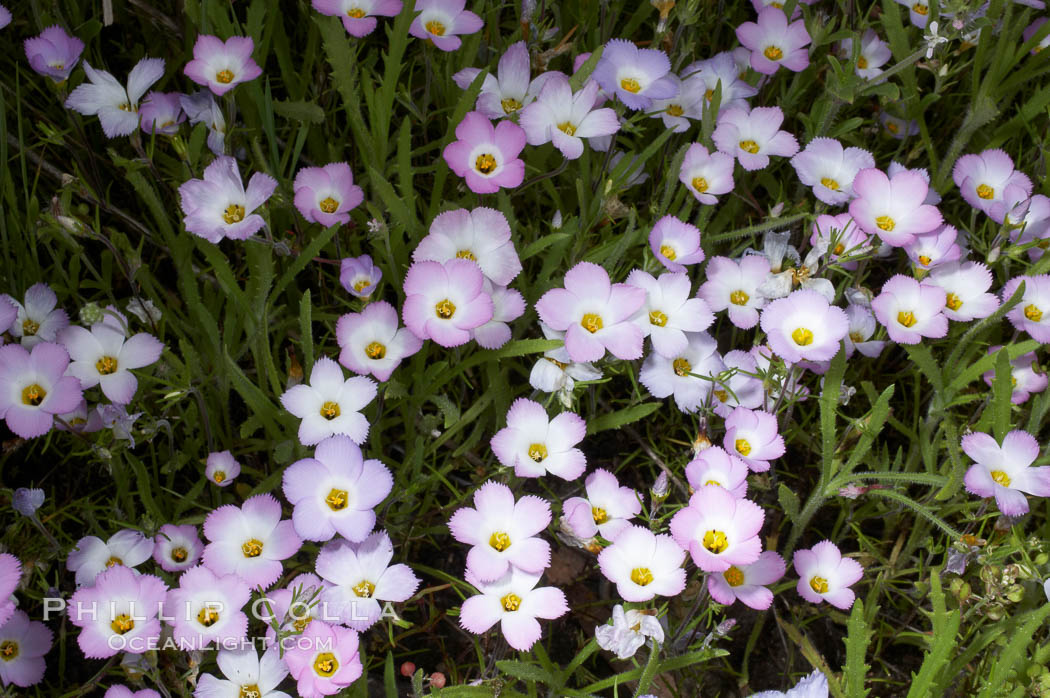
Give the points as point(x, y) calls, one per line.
point(751, 137)
point(718, 529)
point(534, 445)
point(330, 405)
point(555, 371)
point(1005, 472)
point(774, 43)
point(54, 53)
point(441, 20)
point(116, 107)
point(325, 194)
point(748, 583)
point(628, 631)
point(201, 107)
point(515, 603)
point(220, 66)
point(643, 565)
point(26, 502)
point(861, 328)
point(824, 575)
point(161, 113)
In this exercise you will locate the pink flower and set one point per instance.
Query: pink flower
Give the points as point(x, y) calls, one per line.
point(92, 556)
point(1031, 315)
point(680, 374)
point(508, 91)
point(37, 320)
point(330, 405)
point(1025, 376)
point(103, 357)
point(983, 178)
point(861, 328)
point(372, 342)
point(669, 313)
point(910, 310)
point(753, 437)
point(966, 287)
point(892, 208)
point(10, 576)
point(293, 607)
point(325, 660)
point(219, 206)
point(824, 575)
point(502, 532)
point(24, 643)
point(177, 548)
point(606, 511)
point(358, 16)
point(713, 466)
point(748, 583)
point(515, 603)
point(564, 118)
point(161, 113)
point(829, 169)
point(595, 314)
point(118, 691)
point(34, 388)
point(444, 302)
point(361, 576)
point(54, 53)
point(751, 137)
point(722, 68)
point(244, 669)
point(249, 541)
point(336, 491)
point(359, 276)
point(773, 42)
point(535, 445)
point(222, 468)
point(207, 608)
point(676, 244)
point(441, 20)
point(804, 326)
point(706, 175)
point(841, 236)
point(743, 388)
point(486, 156)
point(718, 529)
point(325, 194)
point(222, 66)
point(1005, 471)
point(481, 235)
point(929, 250)
point(733, 285)
point(637, 76)
point(118, 613)
point(507, 305)
point(918, 12)
point(872, 55)
point(643, 565)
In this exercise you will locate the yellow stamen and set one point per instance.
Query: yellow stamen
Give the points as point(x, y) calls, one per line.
point(207, 617)
point(326, 664)
point(499, 541)
point(8, 650)
point(330, 410)
point(337, 499)
point(592, 322)
point(1031, 311)
point(510, 105)
point(862, 62)
point(924, 260)
point(885, 223)
point(733, 576)
point(224, 76)
point(657, 318)
point(641, 576)
point(328, 205)
point(537, 452)
point(773, 53)
point(252, 547)
point(250, 691)
point(681, 366)
point(435, 27)
point(219, 476)
point(375, 350)
point(631, 85)
point(743, 447)
point(33, 395)
point(830, 184)
point(716, 483)
point(466, 254)
point(567, 128)
point(953, 301)
point(722, 395)
point(739, 297)
point(749, 146)
point(122, 624)
point(364, 589)
point(920, 9)
point(445, 309)
point(819, 585)
point(485, 163)
point(234, 214)
point(1001, 477)
point(715, 542)
point(599, 515)
point(802, 336)
point(700, 184)
point(839, 248)
point(179, 554)
point(113, 561)
point(892, 127)
point(674, 110)
point(668, 252)
point(985, 192)
point(30, 327)
point(361, 285)
point(355, 13)
point(510, 602)
point(106, 365)
point(906, 318)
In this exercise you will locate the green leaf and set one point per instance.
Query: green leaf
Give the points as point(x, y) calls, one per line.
point(306, 328)
point(615, 420)
point(1002, 390)
point(789, 502)
point(858, 637)
point(523, 670)
point(945, 627)
point(307, 112)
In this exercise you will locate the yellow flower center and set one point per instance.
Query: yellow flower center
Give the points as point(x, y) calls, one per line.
point(681, 366)
point(641, 576)
point(856, 337)
point(328, 205)
point(537, 452)
point(113, 561)
point(375, 350)
point(330, 410)
point(892, 127)
point(224, 76)
point(122, 624)
point(33, 395)
point(839, 248)
point(733, 576)
point(920, 9)
point(361, 285)
point(985, 192)
point(355, 13)
point(674, 110)
point(715, 542)
point(924, 260)
point(953, 301)
point(773, 53)
point(700, 184)
point(326, 664)
point(466, 254)
point(252, 547)
point(234, 214)
point(30, 327)
point(485, 163)
point(631, 85)
point(743, 446)
point(510, 105)
point(179, 554)
point(599, 515)
point(125, 107)
point(435, 27)
point(250, 691)
point(8, 650)
point(819, 585)
point(885, 223)
point(567, 128)
point(739, 297)
point(300, 623)
point(906, 318)
point(749, 146)
point(1031, 311)
point(830, 184)
point(802, 336)
point(510, 602)
point(592, 322)
point(499, 541)
point(106, 365)
point(709, 94)
point(714, 482)
point(364, 589)
point(668, 252)
point(1001, 477)
point(722, 395)
point(337, 499)
point(657, 318)
point(208, 617)
point(445, 309)
point(219, 476)
point(862, 62)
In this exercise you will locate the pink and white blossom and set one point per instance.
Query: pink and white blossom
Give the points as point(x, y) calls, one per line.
point(25, 643)
point(829, 168)
point(752, 137)
point(564, 118)
point(326, 194)
point(177, 548)
point(606, 510)
point(748, 584)
point(481, 235)
point(442, 21)
point(774, 42)
point(358, 16)
point(714, 466)
point(250, 541)
point(206, 608)
point(669, 313)
point(371, 341)
point(824, 575)
point(892, 207)
point(515, 602)
point(675, 244)
point(325, 661)
point(535, 445)
point(932, 249)
point(510, 89)
point(91, 556)
point(34, 387)
point(1005, 471)
point(966, 287)
point(221, 468)
point(222, 65)
point(445, 301)
point(983, 178)
point(754, 437)
point(635, 75)
point(116, 107)
point(871, 56)
point(862, 328)
point(37, 319)
point(706, 175)
point(218, 206)
point(102, 356)
point(718, 529)
point(330, 405)
point(1031, 315)
point(54, 53)
point(245, 671)
point(119, 613)
point(643, 565)
point(910, 310)
point(359, 275)
point(679, 375)
point(804, 326)
point(486, 156)
point(1025, 375)
point(733, 286)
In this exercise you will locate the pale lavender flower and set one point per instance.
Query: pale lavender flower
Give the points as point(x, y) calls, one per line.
point(606, 511)
point(245, 671)
point(892, 208)
point(371, 341)
point(222, 468)
point(330, 405)
point(34, 388)
point(507, 305)
point(676, 244)
point(444, 302)
point(481, 235)
point(721, 68)
point(643, 565)
point(677, 111)
point(102, 356)
point(26, 501)
point(804, 326)
point(1032, 314)
point(829, 169)
point(932, 249)
point(250, 541)
point(774, 43)
point(37, 320)
point(510, 89)
point(206, 607)
point(862, 327)
point(219, 206)
point(326, 194)
point(91, 556)
point(719, 530)
point(628, 631)
point(535, 445)
point(1005, 471)
point(177, 548)
point(118, 614)
point(815, 685)
point(358, 16)
point(824, 575)
point(116, 107)
point(161, 113)
point(25, 641)
point(873, 54)
point(910, 310)
point(714, 466)
point(983, 178)
point(752, 137)
point(706, 175)
point(637, 76)
point(733, 286)
point(563, 118)
point(754, 437)
point(515, 603)
point(220, 66)
point(966, 286)
point(748, 583)
point(359, 276)
point(486, 156)
point(54, 53)
point(679, 375)
point(1025, 376)
point(743, 388)
point(441, 21)
point(669, 313)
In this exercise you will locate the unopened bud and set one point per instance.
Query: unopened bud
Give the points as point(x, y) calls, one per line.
point(91, 313)
point(660, 487)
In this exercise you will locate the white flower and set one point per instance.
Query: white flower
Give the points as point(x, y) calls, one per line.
point(117, 107)
point(92, 556)
point(813, 686)
point(628, 632)
point(330, 405)
point(247, 675)
point(932, 39)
